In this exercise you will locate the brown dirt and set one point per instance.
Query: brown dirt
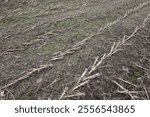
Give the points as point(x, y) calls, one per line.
point(33, 32)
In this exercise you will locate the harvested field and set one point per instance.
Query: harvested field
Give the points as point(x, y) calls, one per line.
point(74, 49)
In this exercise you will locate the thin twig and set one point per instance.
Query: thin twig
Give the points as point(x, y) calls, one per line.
point(10, 93)
point(74, 95)
point(64, 92)
point(124, 90)
point(146, 93)
point(35, 70)
point(56, 80)
point(126, 82)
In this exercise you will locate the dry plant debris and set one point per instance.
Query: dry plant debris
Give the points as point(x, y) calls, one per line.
point(87, 74)
point(70, 49)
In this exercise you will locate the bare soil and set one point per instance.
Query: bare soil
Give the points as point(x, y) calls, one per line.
point(57, 49)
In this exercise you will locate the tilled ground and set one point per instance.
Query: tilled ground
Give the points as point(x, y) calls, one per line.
point(80, 49)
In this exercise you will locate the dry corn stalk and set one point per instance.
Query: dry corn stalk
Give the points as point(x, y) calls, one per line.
point(87, 74)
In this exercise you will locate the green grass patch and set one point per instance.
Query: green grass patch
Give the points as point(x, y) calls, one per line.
point(135, 73)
